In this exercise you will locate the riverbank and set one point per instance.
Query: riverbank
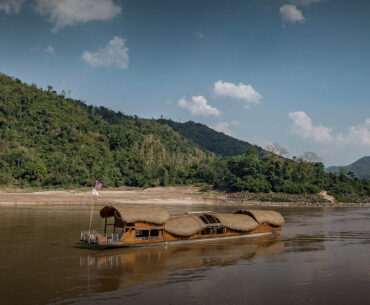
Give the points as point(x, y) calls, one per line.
point(156, 195)
point(290, 200)
point(179, 195)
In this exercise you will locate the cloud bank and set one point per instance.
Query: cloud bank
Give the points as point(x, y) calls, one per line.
point(113, 55)
point(358, 135)
point(198, 106)
point(70, 12)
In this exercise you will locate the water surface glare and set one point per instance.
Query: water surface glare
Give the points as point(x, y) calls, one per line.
point(321, 256)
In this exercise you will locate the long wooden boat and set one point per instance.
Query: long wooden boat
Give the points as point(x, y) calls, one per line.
point(143, 225)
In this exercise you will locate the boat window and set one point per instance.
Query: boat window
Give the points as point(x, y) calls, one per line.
point(209, 219)
point(213, 231)
point(142, 234)
point(156, 234)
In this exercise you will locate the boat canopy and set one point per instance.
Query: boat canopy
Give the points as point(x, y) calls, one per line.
point(187, 225)
point(261, 216)
point(130, 214)
point(239, 222)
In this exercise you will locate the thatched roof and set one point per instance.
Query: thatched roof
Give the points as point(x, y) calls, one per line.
point(185, 225)
point(129, 214)
point(238, 222)
point(261, 216)
point(107, 211)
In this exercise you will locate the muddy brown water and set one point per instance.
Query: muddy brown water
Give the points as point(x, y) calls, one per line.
point(321, 256)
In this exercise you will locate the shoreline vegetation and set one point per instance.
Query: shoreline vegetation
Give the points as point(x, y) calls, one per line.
point(175, 195)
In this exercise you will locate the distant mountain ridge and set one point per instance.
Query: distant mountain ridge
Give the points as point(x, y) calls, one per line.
point(361, 168)
point(210, 139)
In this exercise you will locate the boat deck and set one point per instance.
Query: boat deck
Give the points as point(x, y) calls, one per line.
point(116, 240)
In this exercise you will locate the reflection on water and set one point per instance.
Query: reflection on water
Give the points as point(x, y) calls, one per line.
point(130, 267)
point(321, 256)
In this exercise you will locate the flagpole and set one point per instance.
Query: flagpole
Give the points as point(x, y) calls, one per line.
point(92, 208)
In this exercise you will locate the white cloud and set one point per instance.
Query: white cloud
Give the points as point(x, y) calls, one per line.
point(11, 6)
point(360, 134)
point(49, 50)
point(239, 91)
point(113, 55)
point(290, 13)
point(70, 12)
point(198, 106)
point(222, 127)
point(302, 126)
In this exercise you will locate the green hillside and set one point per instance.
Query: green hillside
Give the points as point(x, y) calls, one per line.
point(48, 140)
point(211, 139)
point(361, 168)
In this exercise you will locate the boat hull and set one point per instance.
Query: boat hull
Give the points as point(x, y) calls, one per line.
point(175, 241)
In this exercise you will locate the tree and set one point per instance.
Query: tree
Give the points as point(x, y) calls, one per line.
point(311, 157)
point(252, 151)
point(282, 150)
point(271, 149)
point(276, 149)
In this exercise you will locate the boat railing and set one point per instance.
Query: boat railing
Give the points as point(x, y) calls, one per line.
point(100, 238)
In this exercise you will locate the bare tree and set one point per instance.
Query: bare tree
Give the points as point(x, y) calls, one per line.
point(311, 157)
point(276, 149)
point(282, 150)
point(271, 149)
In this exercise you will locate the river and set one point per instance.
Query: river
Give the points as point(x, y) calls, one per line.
point(321, 256)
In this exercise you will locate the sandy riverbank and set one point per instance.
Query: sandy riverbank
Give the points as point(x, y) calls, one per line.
point(166, 196)
point(157, 195)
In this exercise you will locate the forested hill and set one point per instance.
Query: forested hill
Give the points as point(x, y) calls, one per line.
point(361, 168)
point(210, 139)
point(49, 140)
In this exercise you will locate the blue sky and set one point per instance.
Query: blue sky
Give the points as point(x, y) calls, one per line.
point(294, 72)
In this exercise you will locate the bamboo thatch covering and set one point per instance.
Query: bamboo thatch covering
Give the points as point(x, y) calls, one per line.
point(238, 222)
point(107, 211)
point(129, 214)
point(185, 225)
point(261, 216)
